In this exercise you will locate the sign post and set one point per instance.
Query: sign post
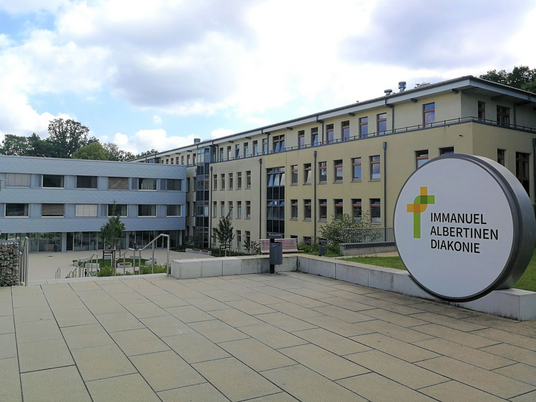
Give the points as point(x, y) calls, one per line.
point(464, 226)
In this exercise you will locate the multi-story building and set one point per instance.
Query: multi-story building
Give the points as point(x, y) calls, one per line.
point(61, 204)
point(291, 177)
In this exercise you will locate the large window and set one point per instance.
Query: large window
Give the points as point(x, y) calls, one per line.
point(375, 210)
point(215, 182)
point(214, 209)
point(357, 211)
point(322, 172)
point(481, 110)
point(338, 168)
point(363, 127)
point(522, 170)
point(230, 203)
point(428, 113)
point(307, 210)
point(87, 182)
point(503, 115)
point(230, 181)
point(322, 209)
point(146, 210)
point(246, 149)
point(222, 181)
point(501, 156)
point(17, 210)
point(120, 209)
point(173, 184)
point(265, 145)
point(382, 123)
point(56, 181)
point(314, 137)
point(239, 180)
point(118, 183)
point(421, 157)
point(147, 184)
point(248, 209)
point(330, 133)
point(279, 143)
point(237, 151)
point(248, 179)
point(222, 208)
point(338, 203)
point(52, 209)
point(174, 210)
point(294, 178)
point(345, 130)
point(239, 209)
point(375, 167)
point(301, 139)
point(294, 209)
point(356, 169)
point(86, 210)
point(445, 151)
point(307, 173)
point(255, 147)
point(17, 180)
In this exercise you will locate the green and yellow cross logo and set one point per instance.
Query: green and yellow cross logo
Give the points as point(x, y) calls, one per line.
point(419, 206)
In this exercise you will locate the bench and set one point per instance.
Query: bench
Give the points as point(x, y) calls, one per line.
point(289, 245)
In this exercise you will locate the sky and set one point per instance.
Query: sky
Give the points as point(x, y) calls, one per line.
point(157, 74)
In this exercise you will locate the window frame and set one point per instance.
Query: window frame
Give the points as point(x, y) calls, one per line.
point(381, 120)
point(375, 208)
point(338, 166)
point(26, 210)
point(57, 175)
point(363, 127)
point(322, 209)
point(322, 172)
point(420, 158)
point(140, 207)
point(120, 214)
point(86, 214)
point(307, 210)
point(142, 180)
point(428, 113)
point(53, 216)
point(18, 178)
point(375, 161)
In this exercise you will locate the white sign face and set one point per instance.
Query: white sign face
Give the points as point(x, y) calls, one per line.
point(454, 228)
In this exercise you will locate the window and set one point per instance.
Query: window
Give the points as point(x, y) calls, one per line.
point(382, 123)
point(229, 153)
point(248, 179)
point(52, 181)
point(307, 240)
point(330, 133)
point(173, 184)
point(279, 143)
point(307, 173)
point(248, 209)
point(322, 172)
point(307, 210)
point(356, 209)
point(345, 130)
point(188, 160)
point(428, 113)
point(239, 180)
point(230, 181)
point(147, 184)
point(294, 178)
point(255, 147)
point(294, 210)
point(86, 210)
point(447, 150)
point(238, 239)
point(182, 157)
point(246, 149)
point(522, 170)
point(338, 207)
point(17, 210)
point(322, 209)
point(89, 182)
point(481, 110)
point(356, 169)
point(501, 156)
point(146, 210)
point(503, 115)
point(237, 151)
point(375, 210)
point(222, 209)
point(188, 187)
point(338, 171)
point(117, 183)
point(222, 187)
point(301, 139)
point(221, 155)
point(375, 167)
point(314, 136)
point(174, 210)
point(52, 209)
point(215, 182)
point(265, 145)
point(248, 237)
point(214, 209)
point(230, 203)
point(120, 209)
point(193, 159)
point(363, 127)
point(421, 157)
point(239, 209)
point(18, 180)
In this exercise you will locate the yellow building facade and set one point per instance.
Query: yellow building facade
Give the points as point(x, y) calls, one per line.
point(288, 179)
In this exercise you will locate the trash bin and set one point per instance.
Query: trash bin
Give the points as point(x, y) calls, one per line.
point(322, 247)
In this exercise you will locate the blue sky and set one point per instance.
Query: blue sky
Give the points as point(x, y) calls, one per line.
point(158, 74)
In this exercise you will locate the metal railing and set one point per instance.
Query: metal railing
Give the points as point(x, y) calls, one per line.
point(24, 249)
point(152, 242)
point(368, 236)
point(82, 269)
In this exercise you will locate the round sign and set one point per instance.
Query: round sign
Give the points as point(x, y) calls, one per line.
point(464, 226)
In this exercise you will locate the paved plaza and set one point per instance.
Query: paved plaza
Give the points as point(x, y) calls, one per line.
point(282, 337)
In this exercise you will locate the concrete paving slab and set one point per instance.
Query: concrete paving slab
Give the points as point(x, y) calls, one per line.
point(519, 371)
point(44, 355)
point(166, 326)
point(86, 336)
point(256, 355)
point(126, 388)
point(453, 391)
point(55, 385)
point(194, 393)
point(70, 318)
point(235, 318)
point(167, 300)
point(189, 314)
point(10, 389)
point(138, 342)
point(36, 331)
point(513, 353)
point(119, 321)
point(195, 348)
point(7, 325)
point(395, 348)
point(218, 331)
point(272, 336)
point(101, 362)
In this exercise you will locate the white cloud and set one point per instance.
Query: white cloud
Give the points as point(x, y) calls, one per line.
point(27, 6)
point(145, 140)
point(221, 132)
point(157, 119)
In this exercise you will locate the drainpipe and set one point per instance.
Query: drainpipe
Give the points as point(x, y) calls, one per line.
point(314, 195)
point(392, 118)
point(260, 199)
point(385, 184)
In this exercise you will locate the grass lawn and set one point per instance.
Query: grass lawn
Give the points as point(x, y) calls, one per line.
point(527, 281)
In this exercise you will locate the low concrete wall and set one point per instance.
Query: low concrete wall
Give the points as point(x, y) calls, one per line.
point(351, 251)
point(206, 267)
point(511, 303)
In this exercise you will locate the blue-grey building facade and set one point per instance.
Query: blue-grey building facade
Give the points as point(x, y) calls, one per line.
point(61, 204)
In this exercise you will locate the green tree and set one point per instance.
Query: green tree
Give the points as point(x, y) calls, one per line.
point(15, 145)
point(112, 232)
point(39, 147)
point(67, 137)
point(339, 230)
point(94, 151)
point(224, 233)
point(521, 77)
point(116, 154)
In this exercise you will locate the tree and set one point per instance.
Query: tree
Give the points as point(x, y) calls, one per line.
point(224, 233)
point(39, 147)
point(67, 137)
point(521, 77)
point(116, 154)
point(94, 151)
point(112, 231)
point(15, 145)
point(339, 230)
